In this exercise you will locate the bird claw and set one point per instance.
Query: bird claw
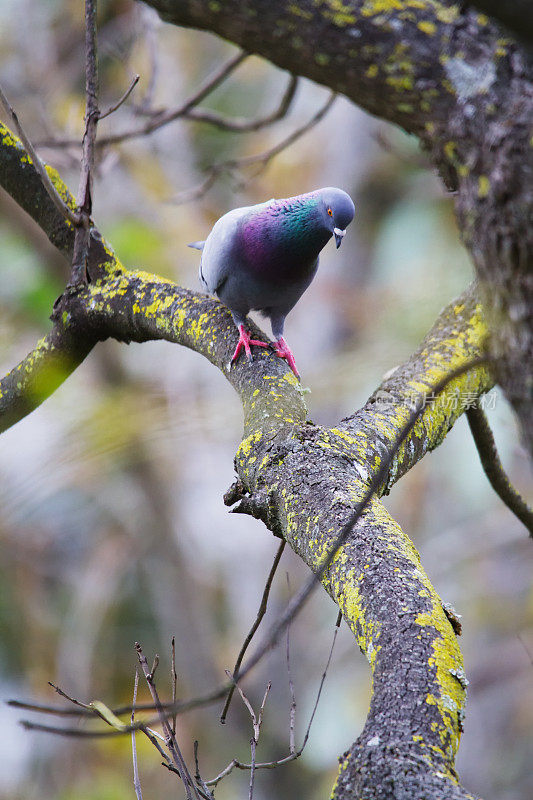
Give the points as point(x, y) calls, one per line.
point(245, 342)
point(282, 349)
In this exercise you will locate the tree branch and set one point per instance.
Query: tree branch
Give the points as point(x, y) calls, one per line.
point(55, 197)
point(492, 466)
point(244, 125)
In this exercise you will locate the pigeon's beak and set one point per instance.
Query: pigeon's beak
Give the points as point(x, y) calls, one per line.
point(339, 236)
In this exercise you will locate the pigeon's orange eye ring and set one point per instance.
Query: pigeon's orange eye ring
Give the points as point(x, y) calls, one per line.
point(330, 212)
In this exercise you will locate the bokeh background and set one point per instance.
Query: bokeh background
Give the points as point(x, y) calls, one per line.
point(113, 527)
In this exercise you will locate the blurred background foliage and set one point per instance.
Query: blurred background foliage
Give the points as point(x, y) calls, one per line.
point(113, 528)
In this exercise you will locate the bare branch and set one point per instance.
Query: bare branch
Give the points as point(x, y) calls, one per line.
point(253, 745)
point(323, 678)
point(174, 681)
point(198, 778)
point(260, 614)
point(242, 125)
point(72, 700)
point(122, 100)
point(57, 200)
point(292, 711)
point(136, 781)
point(161, 118)
point(492, 466)
point(84, 199)
point(170, 739)
point(260, 159)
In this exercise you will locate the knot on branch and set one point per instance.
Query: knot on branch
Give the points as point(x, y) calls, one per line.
point(259, 505)
point(70, 315)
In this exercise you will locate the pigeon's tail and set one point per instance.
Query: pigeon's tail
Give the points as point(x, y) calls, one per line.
point(196, 245)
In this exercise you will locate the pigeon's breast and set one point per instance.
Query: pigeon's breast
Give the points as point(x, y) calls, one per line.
point(275, 249)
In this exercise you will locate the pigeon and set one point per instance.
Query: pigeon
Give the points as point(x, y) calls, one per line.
point(264, 257)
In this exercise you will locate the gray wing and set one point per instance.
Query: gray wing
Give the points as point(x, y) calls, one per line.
point(219, 251)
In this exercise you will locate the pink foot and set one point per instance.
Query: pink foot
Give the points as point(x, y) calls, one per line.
point(245, 341)
point(283, 351)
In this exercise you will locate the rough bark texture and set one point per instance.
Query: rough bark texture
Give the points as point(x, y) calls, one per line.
point(304, 481)
point(456, 79)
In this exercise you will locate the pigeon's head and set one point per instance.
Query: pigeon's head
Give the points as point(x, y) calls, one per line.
point(337, 211)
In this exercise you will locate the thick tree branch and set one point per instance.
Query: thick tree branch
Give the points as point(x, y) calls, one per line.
point(38, 375)
point(443, 71)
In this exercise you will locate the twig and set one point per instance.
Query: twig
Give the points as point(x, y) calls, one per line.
point(73, 700)
point(268, 155)
point(136, 781)
point(174, 681)
point(122, 100)
point(253, 745)
point(321, 686)
point(242, 125)
point(54, 195)
point(260, 614)
point(84, 199)
point(262, 709)
point(493, 468)
point(72, 712)
point(161, 118)
point(292, 712)
point(256, 723)
point(262, 159)
point(293, 753)
point(198, 778)
point(155, 664)
point(170, 739)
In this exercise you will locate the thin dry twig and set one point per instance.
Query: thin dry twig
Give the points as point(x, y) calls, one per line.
point(122, 100)
point(260, 159)
point(260, 614)
point(493, 468)
point(54, 195)
point(174, 681)
point(170, 739)
point(243, 125)
point(84, 199)
point(202, 786)
point(163, 117)
point(292, 710)
point(159, 118)
point(136, 780)
point(321, 686)
point(253, 746)
point(293, 753)
point(73, 700)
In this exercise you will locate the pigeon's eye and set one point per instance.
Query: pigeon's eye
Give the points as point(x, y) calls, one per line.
point(330, 212)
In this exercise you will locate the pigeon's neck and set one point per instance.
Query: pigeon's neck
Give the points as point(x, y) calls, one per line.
point(286, 237)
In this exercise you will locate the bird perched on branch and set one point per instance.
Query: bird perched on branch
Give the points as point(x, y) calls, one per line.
point(264, 257)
